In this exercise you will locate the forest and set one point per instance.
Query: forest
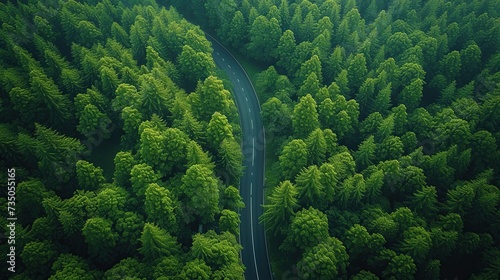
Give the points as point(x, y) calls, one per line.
point(382, 123)
point(160, 200)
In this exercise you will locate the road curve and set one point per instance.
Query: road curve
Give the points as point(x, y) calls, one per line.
point(252, 235)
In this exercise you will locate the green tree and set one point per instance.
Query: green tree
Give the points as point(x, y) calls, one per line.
point(359, 242)
point(335, 63)
point(231, 199)
point(400, 119)
point(356, 71)
point(385, 226)
point(229, 221)
point(129, 226)
point(131, 267)
point(450, 65)
point(210, 97)
point(366, 95)
point(352, 191)
point(217, 250)
point(285, 49)
point(412, 94)
point(308, 228)
point(68, 266)
point(124, 161)
point(309, 186)
point(196, 269)
point(176, 142)
point(417, 243)
point(156, 243)
point(454, 132)
point(190, 125)
point(293, 158)
point(279, 207)
point(366, 153)
point(397, 44)
point(57, 154)
point(141, 176)
point(408, 72)
point(57, 104)
point(87, 33)
point(167, 267)
point(316, 147)
point(30, 194)
point(310, 66)
point(218, 130)
point(327, 260)
point(231, 159)
point(39, 255)
point(374, 185)
point(139, 34)
point(264, 37)
point(305, 117)
point(196, 155)
point(424, 201)
point(344, 164)
point(460, 199)
point(100, 237)
point(310, 86)
point(382, 101)
point(119, 34)
point(125, 95)
point(155, 96)
point(202, 195)
point(329, 180)
point(89, 177)
point(159, 207)
point(277, 116)
point(390, 148)
point(471, 58)
point(483, 144)
point(195, 66)
point(94, 122)
point(111, 201)
point(444, 242)
point(400, 267)
point(24, 103)
point(331, 142)
point(238, 33)
point(421, 122)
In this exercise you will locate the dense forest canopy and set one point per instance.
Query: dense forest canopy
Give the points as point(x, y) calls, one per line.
point(163, 201)
point(382, 126)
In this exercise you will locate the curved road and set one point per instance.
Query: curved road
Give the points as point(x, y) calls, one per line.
point(252, 235)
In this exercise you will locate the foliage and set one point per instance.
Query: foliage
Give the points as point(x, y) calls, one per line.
point(381, 122)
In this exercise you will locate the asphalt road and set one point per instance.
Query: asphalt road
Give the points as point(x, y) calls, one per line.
point(252, 235)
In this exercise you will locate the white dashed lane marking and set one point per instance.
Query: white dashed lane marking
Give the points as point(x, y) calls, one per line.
point(253, 151)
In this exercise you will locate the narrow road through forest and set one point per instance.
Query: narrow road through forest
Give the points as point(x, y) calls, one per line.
point(252, 235)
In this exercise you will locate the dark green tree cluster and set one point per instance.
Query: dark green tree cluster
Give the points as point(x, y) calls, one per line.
point(385, 119)
point(78, 75)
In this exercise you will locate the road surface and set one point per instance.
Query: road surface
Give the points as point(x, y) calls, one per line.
point(252, 235)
